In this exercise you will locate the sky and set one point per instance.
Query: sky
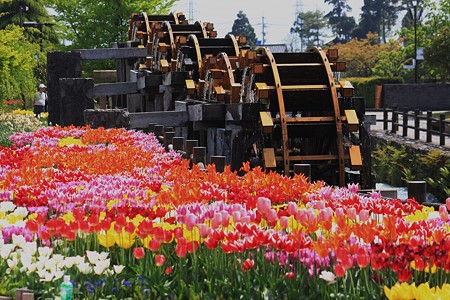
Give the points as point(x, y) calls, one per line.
point(279, 15)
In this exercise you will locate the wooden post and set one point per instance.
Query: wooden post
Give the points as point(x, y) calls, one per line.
point(168, 128)
point(151, 127)
point(168, 136)
point(441, 129)
point(405, 122)
point(394, 121)
point(27, 296)
point(417, 190)
point(429, 116)
point(159, 133)
point(219, 162)
point(385, 118)
point(190, 144)
point(199, 155)
point(416, 124)
point(178, 143)
point(20, 293)
point(304, 169)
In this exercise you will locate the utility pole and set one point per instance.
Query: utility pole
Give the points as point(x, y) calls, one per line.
point(298, 10)
point(263, 31)
point(191, 11)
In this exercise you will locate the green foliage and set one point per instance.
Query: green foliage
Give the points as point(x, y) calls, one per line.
point(437, 39)
point(390, 163)
point(96, 24)
point(440, 185)
point(11, 123)
point(365, 87)
point(378, 16)
point(17, 64)
point(396, 165)
point(308, 26)
point(391, 61)
point(341, 24)
point(242, 26)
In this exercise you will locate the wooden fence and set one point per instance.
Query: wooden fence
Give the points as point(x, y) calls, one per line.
point(417, 121)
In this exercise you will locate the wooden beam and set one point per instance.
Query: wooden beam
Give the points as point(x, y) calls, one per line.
point(166, 118)
point(112, 53)
point(118, 88)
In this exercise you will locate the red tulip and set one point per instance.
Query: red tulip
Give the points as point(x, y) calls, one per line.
point(138, 252)
point(181, 248)
point(160, 259)
point(154, 245)
point(339, 270)
point(168, 270)
point(248, 264)
point(362, 257)
point(290, 275)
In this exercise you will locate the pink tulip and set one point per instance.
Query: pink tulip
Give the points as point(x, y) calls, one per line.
point(284, 222)
point(272, 215)
point(443, 213)
point(339, 212)
point(292, 208)
point(236, 216)
point(351, 213)
point(203, 229)
point(263, 205)
point(190, 220)
point(447, 202)
point(216, 220)
point(364, 215)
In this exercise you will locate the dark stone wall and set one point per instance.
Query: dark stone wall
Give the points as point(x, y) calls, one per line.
point(76, 96)
point(107, 118)
point(417, 96)
point(59, 65)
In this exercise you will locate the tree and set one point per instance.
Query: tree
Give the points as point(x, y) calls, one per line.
point(361, 55)
point(437, 40)
point(308, 26)
point(391, 60)
point(96, 24)
point(242, 26)
point(17, 64)
point(377, 16)
point(341, 24)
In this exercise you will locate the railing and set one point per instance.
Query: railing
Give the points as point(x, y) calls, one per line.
point(418, 122)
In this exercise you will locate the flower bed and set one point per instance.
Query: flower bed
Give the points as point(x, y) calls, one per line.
point(125, 219)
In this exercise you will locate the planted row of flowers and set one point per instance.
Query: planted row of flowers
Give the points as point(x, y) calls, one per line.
point(125, 219)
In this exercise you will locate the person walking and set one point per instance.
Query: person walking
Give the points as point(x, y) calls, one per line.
point(40, 101)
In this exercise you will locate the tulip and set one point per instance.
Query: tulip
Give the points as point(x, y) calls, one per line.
point(328, 276)
point(351, 213)
point(447, 203)
point(138, 252)
point(160, 260)
point(263, 205)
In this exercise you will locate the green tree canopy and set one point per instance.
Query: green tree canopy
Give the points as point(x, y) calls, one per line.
point(17, 64)
point(341, 24)
point(378, 16)
point(242, 26)
point(361, 55)
point(309, 26)
point(437, 40)
point(96, 24)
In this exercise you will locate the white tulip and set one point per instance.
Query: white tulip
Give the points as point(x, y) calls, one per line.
point(21, 211)
point(45, 251)
point(7, 206)
point(118, 268)
point(19, 240)
point(328, 276)
point(6, 249)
